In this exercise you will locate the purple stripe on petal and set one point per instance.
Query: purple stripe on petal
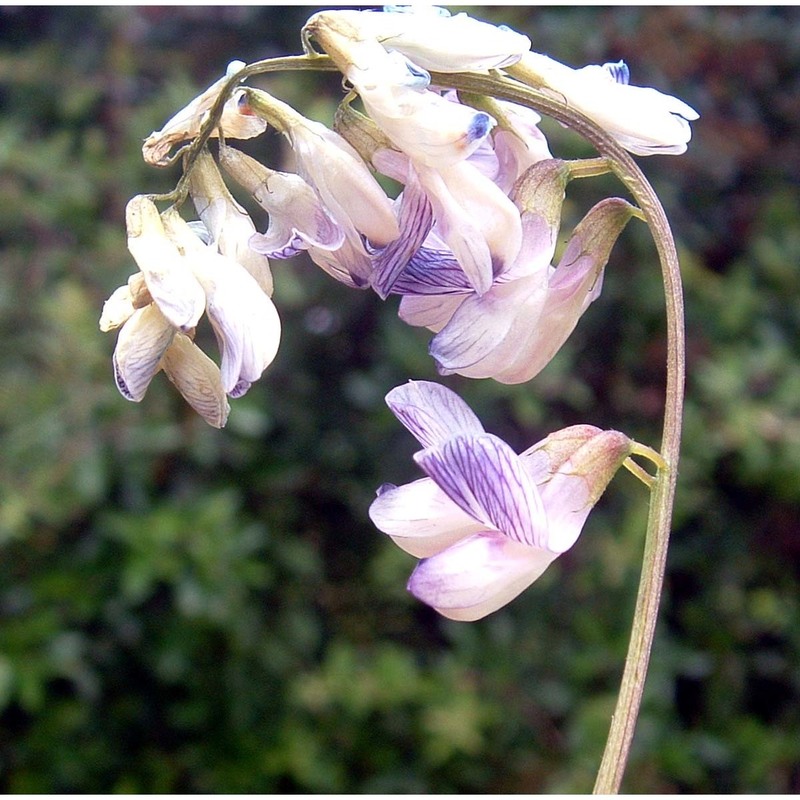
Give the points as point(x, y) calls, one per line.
point(432, 272)
point(431, 412)
point(415, 221)
point(486, 478)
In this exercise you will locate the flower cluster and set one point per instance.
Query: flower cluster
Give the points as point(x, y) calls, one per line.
point(468, 245)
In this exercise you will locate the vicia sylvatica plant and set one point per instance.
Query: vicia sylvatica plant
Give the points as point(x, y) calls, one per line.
point(448, 107)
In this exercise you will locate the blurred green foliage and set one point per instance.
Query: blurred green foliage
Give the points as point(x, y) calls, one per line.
point(192, 610)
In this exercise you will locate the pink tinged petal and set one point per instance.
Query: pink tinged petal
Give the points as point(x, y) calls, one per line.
point(519, 144)
point(543, 459)
point(420, 518)
point(484, 477)
point(197, 378)
point(431, 311)
point(141, 343)
point(431, 412)
point(572, 288)
point(168, 276)
point(577, 485)
point(478, 575)
point(244, 319)
point(486, 333)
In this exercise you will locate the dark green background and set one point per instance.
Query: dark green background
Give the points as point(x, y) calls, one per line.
point(189, 610)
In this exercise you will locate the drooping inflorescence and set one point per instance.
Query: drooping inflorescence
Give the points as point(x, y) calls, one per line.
point(468, 245)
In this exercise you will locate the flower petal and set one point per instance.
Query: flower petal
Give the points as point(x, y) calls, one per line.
point(141, 343)
point(484, 477)
point(429, 36)
point(415, 218)
point(117, 309)
point(229, 224)
point(572, 287)
point(244, 319)
point(431, 311)
point(197, 378)
point(643, 120)
point(297, 218)
point(236, 122)
point(431, 412)
point(486, 334)
point(477, 575)
point(578, 483)
point(167, 274)
point(420, 518)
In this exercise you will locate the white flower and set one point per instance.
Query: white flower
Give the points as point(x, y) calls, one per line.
point(643, 120)
point(428, 35)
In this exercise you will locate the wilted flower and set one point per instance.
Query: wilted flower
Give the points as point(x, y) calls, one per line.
point(643, 120)
point(157, 311)
point(236, 121)
point(487, 522)
point(513, 330)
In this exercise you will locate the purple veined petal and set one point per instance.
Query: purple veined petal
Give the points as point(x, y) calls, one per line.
point(432, 272)
point(429, 311)
point(420, 518)
point(477, 575)
point(462, 233)
point(483, 476)
point(350, 264)
point(415, 219)
point(431, 412)
point(486, 333)
point(141, 343)
point(272, 248)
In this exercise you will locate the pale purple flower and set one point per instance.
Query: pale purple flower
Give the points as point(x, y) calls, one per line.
point(514, 329)
point(487, 522)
